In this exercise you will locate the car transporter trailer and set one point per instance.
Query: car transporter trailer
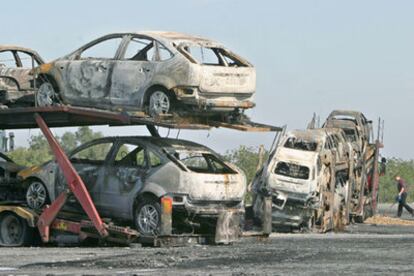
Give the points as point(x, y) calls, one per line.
point(21, 225)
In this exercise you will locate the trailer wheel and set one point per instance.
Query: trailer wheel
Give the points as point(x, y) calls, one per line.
point(36, 195)
point(148, 217)
point(14, 230)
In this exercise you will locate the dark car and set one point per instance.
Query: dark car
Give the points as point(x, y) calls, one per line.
point(9, 178)
point(127, 176)
point(16, 75)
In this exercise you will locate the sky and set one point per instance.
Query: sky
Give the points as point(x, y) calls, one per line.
point(310, 56)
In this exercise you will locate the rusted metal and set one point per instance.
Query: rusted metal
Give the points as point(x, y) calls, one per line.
point(150, 71)
point(16, 82)
point(66, 116)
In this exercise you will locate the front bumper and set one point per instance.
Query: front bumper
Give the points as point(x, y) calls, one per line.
point(291, 209)
point(213, 100)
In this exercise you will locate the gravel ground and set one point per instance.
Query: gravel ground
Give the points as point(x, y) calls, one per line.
point(361, 249)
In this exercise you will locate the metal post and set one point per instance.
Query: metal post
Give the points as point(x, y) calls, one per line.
point(267, 215)
point(11, 141)
point(166, 216)
point(75, 184)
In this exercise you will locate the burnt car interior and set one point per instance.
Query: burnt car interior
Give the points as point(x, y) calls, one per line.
point(210, 56)
point(300, 144)
point(142, 49)
point(292, 170)
point(203, 163)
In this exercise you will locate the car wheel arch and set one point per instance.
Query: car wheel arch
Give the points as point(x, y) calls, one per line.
point(154, 88)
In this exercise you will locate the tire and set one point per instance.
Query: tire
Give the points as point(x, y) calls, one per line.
point(147, 217)
point(46, 95)
point(37, 195)
point(14, 231)
point(159, 103)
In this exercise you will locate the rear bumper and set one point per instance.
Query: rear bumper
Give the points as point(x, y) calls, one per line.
point(208, 208)
point(213, 100)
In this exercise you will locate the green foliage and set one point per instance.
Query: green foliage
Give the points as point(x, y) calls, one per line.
point(246, 158)
point(387, 187)
point(39, 151)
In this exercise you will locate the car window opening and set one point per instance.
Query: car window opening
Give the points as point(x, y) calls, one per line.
point(301, 144)
point(211, 56)
point(202, 162)
point(146, 50)
point(292, 170)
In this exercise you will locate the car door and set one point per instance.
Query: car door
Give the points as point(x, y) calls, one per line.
point(87, 74)
point(124, 175)
point(135, 70)
point(89, 162)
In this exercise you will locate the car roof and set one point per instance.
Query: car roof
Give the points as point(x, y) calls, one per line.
point(174, 37)
point(345, 113)
point(311, 134)
point(157, 141)
point(4, 48)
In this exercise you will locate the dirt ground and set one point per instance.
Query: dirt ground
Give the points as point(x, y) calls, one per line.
point(361, 249)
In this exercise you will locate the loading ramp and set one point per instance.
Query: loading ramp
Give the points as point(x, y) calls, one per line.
point(69, 116)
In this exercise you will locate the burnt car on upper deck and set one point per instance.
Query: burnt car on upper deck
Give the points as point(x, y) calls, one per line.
point(156, 72)
point(357, 127)
point(127, 176)
point(16, 75)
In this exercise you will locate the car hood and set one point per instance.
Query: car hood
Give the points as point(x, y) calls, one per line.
point(11, 167)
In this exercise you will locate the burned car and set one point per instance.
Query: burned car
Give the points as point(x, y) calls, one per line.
point(156, 72)
point(356, 127)
point(127, 176)
point(9, 179)
point(299, 178)
point(16, 75)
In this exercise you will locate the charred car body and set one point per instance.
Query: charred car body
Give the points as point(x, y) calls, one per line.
point(300, 178)
point(127, 176)
point(9, 180)
point(16, 75)
point(157, 72)
point(359, 132)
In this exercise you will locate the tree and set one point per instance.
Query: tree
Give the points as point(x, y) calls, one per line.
point(246, 158)
point(39, 150)
point(387, 187)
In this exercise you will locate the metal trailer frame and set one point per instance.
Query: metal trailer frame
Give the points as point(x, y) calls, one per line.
point(227, 230)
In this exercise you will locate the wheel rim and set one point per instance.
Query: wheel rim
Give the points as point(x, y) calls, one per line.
point(45, 94)
point(148, 219)
point(159, 103)
point(11, 230)
point(36, 195)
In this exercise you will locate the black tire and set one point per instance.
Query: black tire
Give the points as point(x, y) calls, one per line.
point(14, 231)
point(37, 195)
point(147, 216)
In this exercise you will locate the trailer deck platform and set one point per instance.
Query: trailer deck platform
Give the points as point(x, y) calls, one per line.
point(69, 116)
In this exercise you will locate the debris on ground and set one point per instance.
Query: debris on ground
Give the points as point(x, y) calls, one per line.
point(384, 220)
